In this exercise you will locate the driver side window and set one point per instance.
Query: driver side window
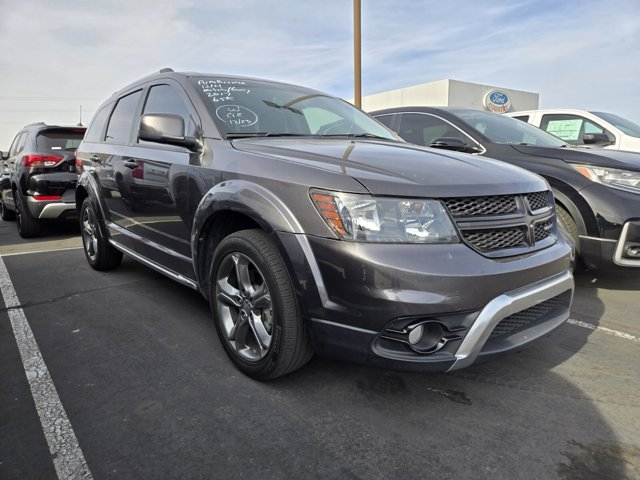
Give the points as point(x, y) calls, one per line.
point(165, 99)
point(570, 128)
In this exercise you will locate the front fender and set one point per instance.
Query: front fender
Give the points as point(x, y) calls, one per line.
point(248, 199)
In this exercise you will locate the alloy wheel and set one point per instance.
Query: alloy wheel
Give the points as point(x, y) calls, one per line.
point(244, 306)
point(89, 234)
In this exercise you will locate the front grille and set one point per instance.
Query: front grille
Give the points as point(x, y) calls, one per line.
point(526, 317)
point(496, 239)
point(473, 206)
point(542, 230)
point(538, 200)
point(504, 225)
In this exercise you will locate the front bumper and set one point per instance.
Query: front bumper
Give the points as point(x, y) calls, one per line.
point(365, 301)
point(614, 230)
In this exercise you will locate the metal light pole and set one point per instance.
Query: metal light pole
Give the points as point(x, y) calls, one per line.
point(357, 60)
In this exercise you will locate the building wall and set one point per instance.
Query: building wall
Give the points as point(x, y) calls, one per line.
point(453, 93)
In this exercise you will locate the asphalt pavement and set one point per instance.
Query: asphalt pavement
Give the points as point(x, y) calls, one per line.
point(126, 371)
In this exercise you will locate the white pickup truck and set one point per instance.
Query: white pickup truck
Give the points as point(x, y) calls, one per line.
point(580, 127)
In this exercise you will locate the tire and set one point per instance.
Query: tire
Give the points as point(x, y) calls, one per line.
point(28, 225)
point(255, 308)
point(570, 230)
point(5, 214)
point(100, 254)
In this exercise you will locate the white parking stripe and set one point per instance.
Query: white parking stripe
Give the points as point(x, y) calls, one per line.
point(40, 251)
point(67, 456)
point(606, 330)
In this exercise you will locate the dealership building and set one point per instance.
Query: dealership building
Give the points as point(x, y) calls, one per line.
point(454, 93)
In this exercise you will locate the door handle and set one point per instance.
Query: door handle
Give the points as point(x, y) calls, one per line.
point(130, 163)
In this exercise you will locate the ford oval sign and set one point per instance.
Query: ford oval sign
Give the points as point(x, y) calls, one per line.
point(497, 101)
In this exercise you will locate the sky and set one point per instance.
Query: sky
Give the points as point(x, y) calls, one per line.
point(60, 59)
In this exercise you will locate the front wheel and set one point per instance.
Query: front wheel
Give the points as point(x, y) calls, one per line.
point(100, 254)
point(570, 230)
point(255, 308)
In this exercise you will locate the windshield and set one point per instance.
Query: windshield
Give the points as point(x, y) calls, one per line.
point(243, 108)
point(627, 126)
point(501, 129)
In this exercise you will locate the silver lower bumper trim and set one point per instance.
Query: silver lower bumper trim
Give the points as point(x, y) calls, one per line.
point(505, 305)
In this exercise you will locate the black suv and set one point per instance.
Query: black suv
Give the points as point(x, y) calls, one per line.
point(597, 191)
point(310, 227)
point(40, 176)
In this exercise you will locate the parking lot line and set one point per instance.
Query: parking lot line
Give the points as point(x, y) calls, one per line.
point(67, 456)
point(606, 330)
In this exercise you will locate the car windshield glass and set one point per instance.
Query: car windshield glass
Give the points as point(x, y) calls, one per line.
point(627, 126)
point(500, 129)
point(244, 107)
point(59, 140)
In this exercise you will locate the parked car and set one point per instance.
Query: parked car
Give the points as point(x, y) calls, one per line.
point(39, 176)
point(580, 127)
point(597, 192)
point(310, 227)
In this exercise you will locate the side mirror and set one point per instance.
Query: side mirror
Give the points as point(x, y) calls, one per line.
point(593, 138)
point(452, 143)
point(2, 156)
point(166, 128)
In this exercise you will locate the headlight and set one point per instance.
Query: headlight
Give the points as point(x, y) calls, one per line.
point(363, 218)
point(623, 179)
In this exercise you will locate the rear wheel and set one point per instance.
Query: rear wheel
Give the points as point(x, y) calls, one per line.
point(28, 225)
point(100, 254)
point(6, 214)
point(255, 308)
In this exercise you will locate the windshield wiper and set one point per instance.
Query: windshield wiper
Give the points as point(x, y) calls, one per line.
point(264, 134)
point(358, 135)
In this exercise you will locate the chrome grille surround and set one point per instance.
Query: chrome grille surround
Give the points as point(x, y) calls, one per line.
point(505, 225)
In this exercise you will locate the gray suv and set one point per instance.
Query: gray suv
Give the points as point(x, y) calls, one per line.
point(310, 227)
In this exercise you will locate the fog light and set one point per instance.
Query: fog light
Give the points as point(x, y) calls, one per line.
point(427, 337)
point(416, 334)
point(633, 252)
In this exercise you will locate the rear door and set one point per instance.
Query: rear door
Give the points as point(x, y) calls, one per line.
point(107, 159)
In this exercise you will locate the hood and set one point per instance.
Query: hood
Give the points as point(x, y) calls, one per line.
point(586, 156)
point(399, 169)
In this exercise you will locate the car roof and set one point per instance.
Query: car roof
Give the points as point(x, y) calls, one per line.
point(170, 73)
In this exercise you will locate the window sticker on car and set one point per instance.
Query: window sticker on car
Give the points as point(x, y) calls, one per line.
point(219, 90)
point(565, 129)
point(236, 115)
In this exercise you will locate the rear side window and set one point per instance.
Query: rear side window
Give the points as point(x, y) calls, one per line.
point(59, 140)
point(524, 118)
point(122, 119)
point(18, 144)
point(94, 133)
point(386, 120)
point(423, 129)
